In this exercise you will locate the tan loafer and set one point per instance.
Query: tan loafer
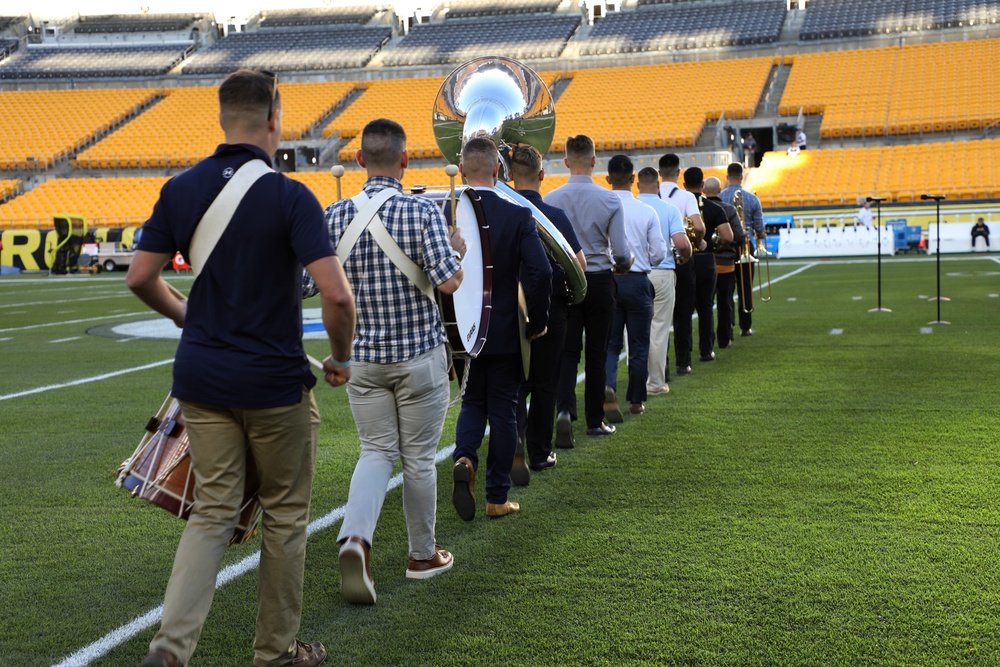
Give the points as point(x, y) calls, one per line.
point(497, 510)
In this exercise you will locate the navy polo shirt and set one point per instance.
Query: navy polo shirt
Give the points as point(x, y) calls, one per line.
point(560, 288)
point(242, 341)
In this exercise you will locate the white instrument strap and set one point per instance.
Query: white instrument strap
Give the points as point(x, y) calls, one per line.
point(367, 218)
point(221, 212)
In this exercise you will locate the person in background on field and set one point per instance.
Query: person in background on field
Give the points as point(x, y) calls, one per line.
point(980, 229)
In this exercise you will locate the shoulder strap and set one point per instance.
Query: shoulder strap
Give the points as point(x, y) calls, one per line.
point(221, 212)
point(671, 195)
point(367, 218)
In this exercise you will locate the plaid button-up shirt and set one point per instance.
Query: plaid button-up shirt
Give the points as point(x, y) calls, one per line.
point(395, 320)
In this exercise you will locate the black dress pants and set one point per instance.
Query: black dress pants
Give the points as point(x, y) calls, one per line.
point(535, 425)
point(594, 315)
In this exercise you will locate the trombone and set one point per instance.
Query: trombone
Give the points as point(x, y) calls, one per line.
point(746, 256)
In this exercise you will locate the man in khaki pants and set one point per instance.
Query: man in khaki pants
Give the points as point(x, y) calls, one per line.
point(240, 373)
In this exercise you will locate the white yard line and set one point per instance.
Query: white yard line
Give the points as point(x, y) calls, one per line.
point(119, 295)
point(64, 340)
point(88, 319)
point(95, 378)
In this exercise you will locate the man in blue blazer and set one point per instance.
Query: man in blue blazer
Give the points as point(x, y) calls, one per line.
point(495, 375)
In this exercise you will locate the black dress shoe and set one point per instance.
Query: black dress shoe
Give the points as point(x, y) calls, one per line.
point(746, 332)
point(549, 462)
point(709, 357)
point(564, 431)
point(603, 429)
point(726, 345)
point(684, 370)
point(519, 475)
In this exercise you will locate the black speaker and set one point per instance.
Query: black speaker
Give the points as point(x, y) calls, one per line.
point(310, 155)
point(285, 159)
point(786, 133)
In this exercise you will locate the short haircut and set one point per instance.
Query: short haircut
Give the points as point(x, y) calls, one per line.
point(525, 162)
point(648, 176)
point(246, 95)
point(620, 170)
point(669, 165)
point(479, 156)
point(712, 186)
point(579, 147)
point(734, 170)
point(693, 177)
point(382, 143)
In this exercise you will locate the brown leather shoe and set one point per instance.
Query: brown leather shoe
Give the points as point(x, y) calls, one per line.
point(161, 657)
point(463, 496)
point(497, 510)
point(356, 584)
point(425, 569)
point(636, 408)
point(307, 655)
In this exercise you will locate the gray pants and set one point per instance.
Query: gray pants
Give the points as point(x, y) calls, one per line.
point(399, 410)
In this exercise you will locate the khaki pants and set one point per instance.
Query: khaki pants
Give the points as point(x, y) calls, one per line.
point(664, 282)
point(282, 442)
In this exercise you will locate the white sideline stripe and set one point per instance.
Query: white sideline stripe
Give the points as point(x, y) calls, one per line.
point(64, 340)
point(86, 298)
point(96, 378)
point(836, 332)
point(126, 632)
point(64, 322)
point(7, 338)
point(926, 330)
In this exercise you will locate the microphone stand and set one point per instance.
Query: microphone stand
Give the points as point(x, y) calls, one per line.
point(937, 202)
point(878, 230)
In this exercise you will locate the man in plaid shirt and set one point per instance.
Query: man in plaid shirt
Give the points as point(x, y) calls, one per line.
point(399, 385)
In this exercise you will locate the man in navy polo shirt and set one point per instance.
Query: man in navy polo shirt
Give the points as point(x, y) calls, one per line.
point(241, 375)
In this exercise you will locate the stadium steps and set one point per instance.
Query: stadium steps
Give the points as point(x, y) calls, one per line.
point(793, 26)
point(773, 90)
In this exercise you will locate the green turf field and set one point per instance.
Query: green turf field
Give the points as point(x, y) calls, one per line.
point(824, 493)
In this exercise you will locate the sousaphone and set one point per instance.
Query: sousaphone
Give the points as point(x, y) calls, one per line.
point(507, 101)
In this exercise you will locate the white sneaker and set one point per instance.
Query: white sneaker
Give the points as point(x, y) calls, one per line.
point(656, 391)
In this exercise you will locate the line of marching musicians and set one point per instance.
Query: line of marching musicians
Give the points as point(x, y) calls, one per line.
point(649, 261)
point(243, 381)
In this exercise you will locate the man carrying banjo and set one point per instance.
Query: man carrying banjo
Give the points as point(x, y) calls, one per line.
point(399, 387)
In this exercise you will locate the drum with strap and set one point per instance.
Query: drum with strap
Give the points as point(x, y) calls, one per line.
point(159, 471)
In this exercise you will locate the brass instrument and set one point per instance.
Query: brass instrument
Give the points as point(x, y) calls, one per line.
point(746, 256)
point(691, 233)
point(762, 250)
point(505, 100)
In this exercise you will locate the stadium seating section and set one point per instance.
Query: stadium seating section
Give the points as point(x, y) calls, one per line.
point(644, 118)
point(290, 51)
point(910, 90)
point(40, 127)
point(839, 176)
point(53, 62)
point(464, 9)
point(317, 16)
point(407, 101)
point(686, 27)
point(837, 19)
point(8, 188)
point(8, 45)
point(116, 23)
point(184, 127)
point(520, 37)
